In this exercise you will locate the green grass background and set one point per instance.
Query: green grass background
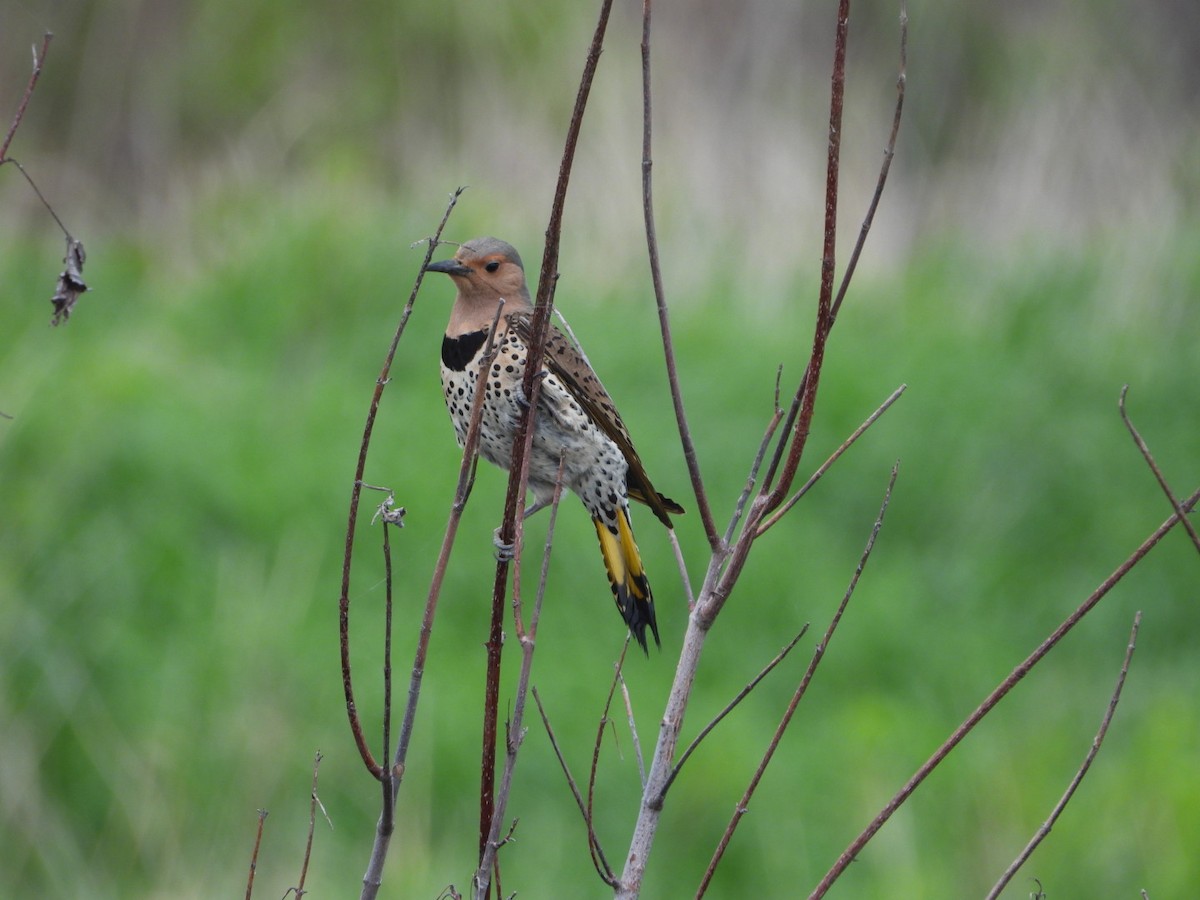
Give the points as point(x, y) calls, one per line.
point(175, 475)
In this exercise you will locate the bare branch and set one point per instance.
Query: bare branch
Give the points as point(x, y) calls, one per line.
point(996, 696)
point(355, 493)
point(33, 80)
point(807, 392)
point(598, 857)
point(262, 817)
point(801, 690)
point(312, 824)
point(516, 730)
point(888, 153)
point(684, 579)
point(1162, 482)
point(752, 478)
point(531, 389)
point(730, 706)
point(726, 566)
point(633, 732)
point(864, 229)
point(664, 321)
point(824, 467)
point(602, 868)
point(1087, 762)
point(387, 781)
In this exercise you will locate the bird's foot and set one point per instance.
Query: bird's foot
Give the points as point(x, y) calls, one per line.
point(522, 400)
point(504, 551)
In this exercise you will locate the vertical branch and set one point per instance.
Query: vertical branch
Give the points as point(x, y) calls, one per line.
point(818, 654)
point(262, 817)
point(388, 776)
point(888, 153)
point(685, 433)
point(356, 492)
point(1158, 475)
point(807, 392)
point(851, 852)
point(723, 574)
point(313, 803)
point(531, 388)
point(373, 877)
point(33, 80)
point(1083, 769)
point(517, 729)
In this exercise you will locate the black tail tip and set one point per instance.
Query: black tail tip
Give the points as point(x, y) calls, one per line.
point(639, 614)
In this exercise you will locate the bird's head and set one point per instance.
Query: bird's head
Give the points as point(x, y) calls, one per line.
point(485, 270)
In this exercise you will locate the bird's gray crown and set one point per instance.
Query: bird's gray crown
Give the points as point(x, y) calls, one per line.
point(486, 246)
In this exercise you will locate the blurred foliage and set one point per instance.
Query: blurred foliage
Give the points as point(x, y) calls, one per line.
point(174, 478)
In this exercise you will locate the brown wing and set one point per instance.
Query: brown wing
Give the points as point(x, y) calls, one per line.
point(570, 368)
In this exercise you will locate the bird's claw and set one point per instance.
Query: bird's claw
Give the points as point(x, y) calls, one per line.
point(522, 400)
point(504, 551)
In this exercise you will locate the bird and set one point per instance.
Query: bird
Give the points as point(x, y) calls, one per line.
point(576, 419)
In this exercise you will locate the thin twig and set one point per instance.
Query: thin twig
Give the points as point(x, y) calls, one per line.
point(312, 825)
point(799, 423)
point(864, 230)
point(812, 375)
point(1162, 482)
point(888, 153)
point(602, 865)
point(755, 467)
point(517, 730)
point(387, 782)
point(721, 578)
point(633, 731)
point(38, 61)
point(531, 389)
point(685, 433)
point(42, 197)
point(373, 877)
point(598, 858)
point(684, 578)
point(1075, 782)
point(355, 493)
point(824, 467)
point(730, 706)
point(801, 690)
point(717, 560)
point(262, 817)
point(848, 855)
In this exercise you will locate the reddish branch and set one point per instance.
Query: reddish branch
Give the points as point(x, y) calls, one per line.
point(531, 388)
point(685, 433)
point(1162, 481)
point(262, 817)
point(1075, 782)
point(38, 60)
point(996, 696)
point(818, 654)
point(355, 494)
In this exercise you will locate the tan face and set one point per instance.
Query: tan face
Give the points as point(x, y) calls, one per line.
point(489, 275)
point(484, 270)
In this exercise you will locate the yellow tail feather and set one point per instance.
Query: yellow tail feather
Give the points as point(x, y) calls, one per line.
point(631, 588)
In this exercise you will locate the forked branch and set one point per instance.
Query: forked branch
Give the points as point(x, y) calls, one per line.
point(38, 60)
point(531, 390)
point(1023, 669)
point(1075, 782)
point(818, 654)
point(1162, 481)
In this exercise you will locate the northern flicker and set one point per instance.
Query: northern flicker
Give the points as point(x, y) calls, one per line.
point(576, 419)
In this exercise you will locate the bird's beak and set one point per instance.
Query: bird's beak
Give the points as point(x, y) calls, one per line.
point(449, 267)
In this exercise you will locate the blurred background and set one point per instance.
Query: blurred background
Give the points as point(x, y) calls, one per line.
point(175, 464)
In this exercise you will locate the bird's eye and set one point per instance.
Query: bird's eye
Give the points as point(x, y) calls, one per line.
point(493, 265)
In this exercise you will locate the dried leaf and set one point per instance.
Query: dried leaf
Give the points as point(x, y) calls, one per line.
point(70, 282)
